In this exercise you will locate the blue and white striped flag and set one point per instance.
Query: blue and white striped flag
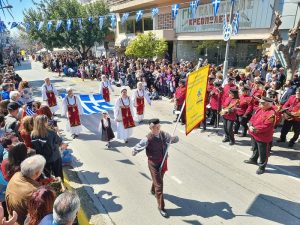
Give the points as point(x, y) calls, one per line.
point(175, 10)
point(193, 8)
point(27, 27)
point(139, 15)
point(41, 24)
point(272, 61)
point(79, 20)
point(14, 24)
point(90, 19)
point(29, 112)
point(101, 22)
point(58, 24)
point(49, 25)
point(224, 22)
point(216, 5)
point(154, 12)
point(69, 24)
point(113, 21)
point(124, 18)
point(92, 103)
point(236, 23)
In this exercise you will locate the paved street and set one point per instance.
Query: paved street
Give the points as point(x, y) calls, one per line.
point(207, 181)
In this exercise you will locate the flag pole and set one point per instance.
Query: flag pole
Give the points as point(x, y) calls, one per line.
point(225, 66)
point(177, 120)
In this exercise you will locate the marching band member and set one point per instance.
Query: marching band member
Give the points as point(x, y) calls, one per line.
point(179, 98)
point(227, 88)
point(291, 110)
point(49, 94)
point(156, 143)
point(207, 109)
point(261, 129)
point(257, 92)
point(105, 86)
point(215, 103)
point(123, 112)
point(229, 115)
point(243, 111)
point(138, 99)
point(71, 106)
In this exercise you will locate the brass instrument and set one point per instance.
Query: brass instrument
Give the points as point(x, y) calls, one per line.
point(231, 106)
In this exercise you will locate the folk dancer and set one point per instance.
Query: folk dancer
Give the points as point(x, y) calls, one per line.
point(155, 144)
point(123, 112)
point(229, 115)
point(105, 129)
point(138, 99)
point(71, 106)
point(179, 98)
point(105, 86)
point(215, 103)
point(49, 94)
point(243, 111)
point(261, 129)
point(291, 110)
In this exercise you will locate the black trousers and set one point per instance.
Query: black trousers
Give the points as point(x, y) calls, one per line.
point(242, 121)
point(228, 129)
point(260, 151)
point(215, 118)
point(287, 125)
point(54, 168)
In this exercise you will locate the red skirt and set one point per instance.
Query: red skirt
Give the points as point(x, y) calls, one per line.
point(74, 117)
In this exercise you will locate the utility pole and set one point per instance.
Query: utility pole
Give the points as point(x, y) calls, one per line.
point(225, 66)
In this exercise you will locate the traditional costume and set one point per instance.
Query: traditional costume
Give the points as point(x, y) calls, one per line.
point(105, 86)
point(105, 129)
point(49, 93)
point(123, 115)
point(138, 99)
point(71, 106)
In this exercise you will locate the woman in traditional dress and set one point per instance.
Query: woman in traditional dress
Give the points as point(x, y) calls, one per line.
point(49, 94)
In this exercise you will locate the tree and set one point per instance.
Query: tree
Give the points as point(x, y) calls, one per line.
point(213, 44)
point(147, 46)
point(290, 51)
point(80, 39)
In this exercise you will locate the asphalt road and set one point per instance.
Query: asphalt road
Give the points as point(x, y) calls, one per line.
point(207, 181)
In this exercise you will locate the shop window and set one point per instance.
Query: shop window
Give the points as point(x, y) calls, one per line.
point(139, 26)
point(122, 27)
point(148, 24)
point(130, 27)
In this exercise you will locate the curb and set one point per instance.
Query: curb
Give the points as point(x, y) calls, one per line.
point(81, 215)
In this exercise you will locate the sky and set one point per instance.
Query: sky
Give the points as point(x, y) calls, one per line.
point(17, 10)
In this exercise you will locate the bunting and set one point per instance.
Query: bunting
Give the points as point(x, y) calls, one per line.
point(154, 12)
point(2, 27)
point(139, 15)
point(27, 27)
point(79, 20)
point(101, 22)
point(124, 18)
point(49, 25)
point(236, 23)
point(216, 5)
point(175, 10)
point(113, 21)
point(90, 19)
point(193, 8)
point(58, 24)
point(41, 24)
point(69, 24)
point(14, 24)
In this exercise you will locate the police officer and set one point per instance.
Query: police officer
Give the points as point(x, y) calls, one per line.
point(261, 129)
point(156, 143)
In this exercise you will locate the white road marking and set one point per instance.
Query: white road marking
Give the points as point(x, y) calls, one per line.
point(176, 179)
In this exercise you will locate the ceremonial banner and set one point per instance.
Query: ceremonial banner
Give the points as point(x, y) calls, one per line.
point(195, 98)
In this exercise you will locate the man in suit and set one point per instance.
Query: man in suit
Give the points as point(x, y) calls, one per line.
point(289, 90)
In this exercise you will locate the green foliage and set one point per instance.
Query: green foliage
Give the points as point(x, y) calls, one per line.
point(212, 44)
point(146, 46)
point(81, 40)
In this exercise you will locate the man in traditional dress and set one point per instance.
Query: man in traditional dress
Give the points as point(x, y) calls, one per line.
point(105, 86)
point(71, 106)
point(138, 99)
point(49, 93)
point(156, 143)
point(123, 112)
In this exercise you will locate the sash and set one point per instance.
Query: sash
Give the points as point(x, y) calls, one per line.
point(140, 104)
point(73, 113)
point(126, 115)
point(51, 98)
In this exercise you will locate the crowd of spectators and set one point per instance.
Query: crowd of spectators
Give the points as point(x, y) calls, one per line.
point(31, 150)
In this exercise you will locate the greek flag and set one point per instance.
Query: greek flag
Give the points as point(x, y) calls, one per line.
point(90, 19)
point(13, 25)
point(69, 24)
point(154, 12)
point(175, 9)
point(139, 15)
point(113, 21)
point(124, 18)
point(2, 27)
point(224, 22)
point(27, 27)
point(58, 24)
point(193, 8)
point(49, 25)
point(92, 103)
point(216, 5)
point(101, 22)
point(41, 24)
point(29, 112)
point(272, 61)
point(236, 23)
point(79, 20)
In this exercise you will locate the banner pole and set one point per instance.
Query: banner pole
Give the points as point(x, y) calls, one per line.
point(176, 124)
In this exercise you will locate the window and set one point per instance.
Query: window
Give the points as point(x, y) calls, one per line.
point(148, 24)
point(122, 28)
point(130, 27)
point(139, 26)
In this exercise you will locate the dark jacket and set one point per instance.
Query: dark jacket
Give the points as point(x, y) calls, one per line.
point(287, 94)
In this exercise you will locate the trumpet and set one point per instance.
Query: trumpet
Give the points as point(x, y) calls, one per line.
point(228, 108)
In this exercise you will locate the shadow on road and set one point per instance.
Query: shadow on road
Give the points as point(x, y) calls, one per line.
point(108, 201)
point(193, 222)
point(293, 170)
point(24, 66)
point(131, 143)
point(126, 161)
point(290, 210)
point(189, 207)
point(93, 177)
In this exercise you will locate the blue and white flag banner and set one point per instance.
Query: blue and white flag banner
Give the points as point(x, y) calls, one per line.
point(92, 103)
point(58, 24)
point(113, 21)
point(2, 26)
point(216, 6)
point(49, 25)
point(27, 27)
point(41, 24)
point(193, 8)
point(101, 22)
point(124, 18)
point(175, 10)
point(139, 15)
point(29, 112)
point(154, 12)
point(90, 19)
point(14, 24)
point(236, 23)
point(69, 24)
point(224, 22)
point(79, 20)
